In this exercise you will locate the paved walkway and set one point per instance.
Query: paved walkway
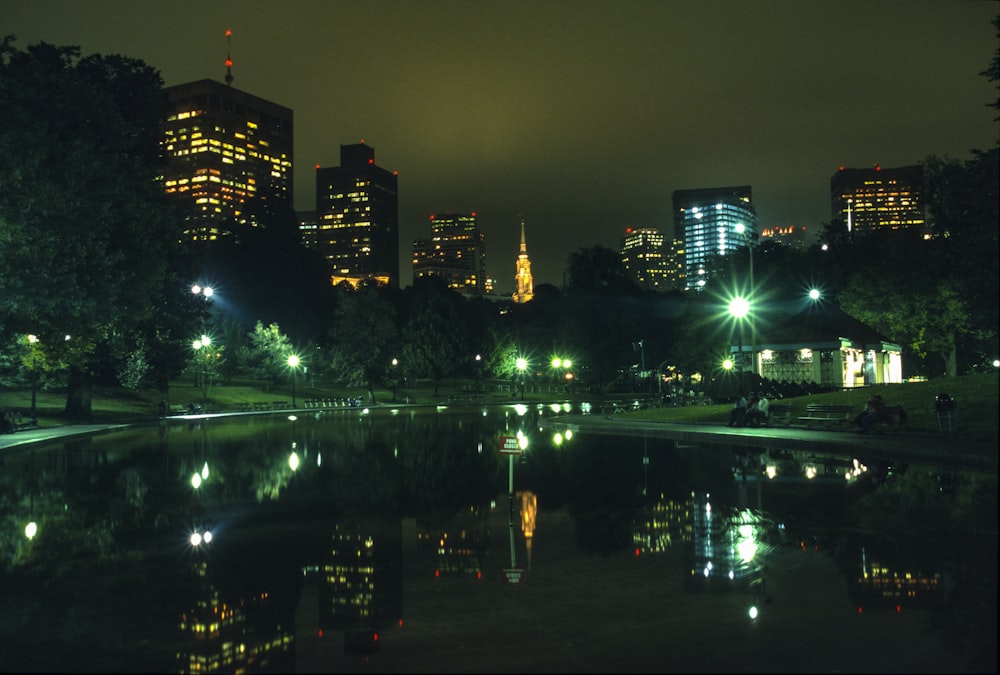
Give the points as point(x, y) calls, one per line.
point(54, 433)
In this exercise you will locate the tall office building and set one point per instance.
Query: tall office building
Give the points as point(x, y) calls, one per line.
point(879, 199)
point(357, 211)
point(645, 258)
point(224, 149)
point(711, 220)
point(675, 264)
point(456, 252)
point(522, 274)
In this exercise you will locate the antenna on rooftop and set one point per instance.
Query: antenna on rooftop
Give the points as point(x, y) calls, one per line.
point(229, 59)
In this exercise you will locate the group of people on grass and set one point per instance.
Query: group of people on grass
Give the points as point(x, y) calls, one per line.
point(749, 410)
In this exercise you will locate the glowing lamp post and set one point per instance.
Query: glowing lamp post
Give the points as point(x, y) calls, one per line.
point(748, 237)
point(522, 365)
point(293, 363)
point(203, 354)
point(738, 309)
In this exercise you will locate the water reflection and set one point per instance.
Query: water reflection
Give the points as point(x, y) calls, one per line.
point(318, 535)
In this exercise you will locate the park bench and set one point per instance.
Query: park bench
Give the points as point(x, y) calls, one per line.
point(836, 415)
point(279, 405)
point(780, 414)
point(242, 406)
point(178, 409)
point(20, 424)
point(261, 405)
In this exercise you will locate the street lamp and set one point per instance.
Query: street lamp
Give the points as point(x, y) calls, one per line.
point(206, 291)
point(479, 363)
point(395, 378)
point(293, 363)
point(748, 237)
point(739, 307)
point(522, 365)
point(33, 347)
point(202, 353)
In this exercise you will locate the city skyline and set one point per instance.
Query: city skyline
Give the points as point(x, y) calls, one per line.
point(582, 118)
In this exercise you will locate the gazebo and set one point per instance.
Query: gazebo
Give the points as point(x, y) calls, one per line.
point(826, 346)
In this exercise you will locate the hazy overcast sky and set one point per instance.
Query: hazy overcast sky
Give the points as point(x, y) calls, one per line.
point(582, 117)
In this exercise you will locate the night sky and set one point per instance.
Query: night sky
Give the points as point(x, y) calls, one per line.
point(582, 117)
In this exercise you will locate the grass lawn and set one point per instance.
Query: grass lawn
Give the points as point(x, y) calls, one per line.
point(976, 396)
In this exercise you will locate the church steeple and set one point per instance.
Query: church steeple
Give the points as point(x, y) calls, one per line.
point(522, 278)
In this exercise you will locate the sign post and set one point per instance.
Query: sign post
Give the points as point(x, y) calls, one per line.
point(512, 446)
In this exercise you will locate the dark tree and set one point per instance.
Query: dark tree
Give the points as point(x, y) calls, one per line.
point(85, 229)
point(364, 338)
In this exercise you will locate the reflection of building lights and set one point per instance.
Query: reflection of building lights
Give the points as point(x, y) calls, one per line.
point(747, 549)
point(196, 480)
point(293, 461)
point(204, 471)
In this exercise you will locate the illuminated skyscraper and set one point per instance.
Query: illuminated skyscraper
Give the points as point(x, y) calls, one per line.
point(357, 210)
point(456, 252)
point(225, 148)
point(879, 199)
point(708, 219)
point(645, 258)
point(675, 264)
point(522, 274)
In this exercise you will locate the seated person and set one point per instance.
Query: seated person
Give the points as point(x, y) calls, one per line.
point(873, 413)
point(6, 422)
point(757, 413)
point(737, 416)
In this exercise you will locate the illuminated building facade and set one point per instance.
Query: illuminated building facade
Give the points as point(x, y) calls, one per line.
point(825, 345)
point(456, 252)
point(645, 259)
point(307, 228)
point(879, 199)
point(357, 218)
point(675, 264)
point(522, 274)
point(708, 219)
point(224, 149)
point(793, 236)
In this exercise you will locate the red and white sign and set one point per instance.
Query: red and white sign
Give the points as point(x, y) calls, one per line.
point(509, 445)
point(513, 575)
